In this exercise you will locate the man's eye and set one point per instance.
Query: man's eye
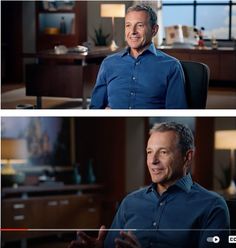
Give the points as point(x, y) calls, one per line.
point(149, 152)
point(140, 25)
point(163, 152)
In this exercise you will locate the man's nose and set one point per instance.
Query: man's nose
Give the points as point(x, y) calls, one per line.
point(134, 29)
point(155, 159)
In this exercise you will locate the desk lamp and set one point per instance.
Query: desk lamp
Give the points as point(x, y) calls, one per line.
point(12, 151)
point(226, 140)
point(112, 10)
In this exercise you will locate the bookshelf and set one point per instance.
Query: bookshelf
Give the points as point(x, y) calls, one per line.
point(60, 23)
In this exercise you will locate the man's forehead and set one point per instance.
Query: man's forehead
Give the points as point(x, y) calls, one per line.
point(165, 137)
point(140, 13)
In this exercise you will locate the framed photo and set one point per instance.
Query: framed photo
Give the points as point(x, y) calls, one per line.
point(48, 138)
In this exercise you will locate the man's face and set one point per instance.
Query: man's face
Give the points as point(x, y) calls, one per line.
point(138, 30)
point(165, 161)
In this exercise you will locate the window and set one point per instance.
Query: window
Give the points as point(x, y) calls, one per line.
point(177, 16)
point(218, 17)
point(214, 27)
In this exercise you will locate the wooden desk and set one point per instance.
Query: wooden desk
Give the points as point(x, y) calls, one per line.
point(66, 75)
point(63, 75)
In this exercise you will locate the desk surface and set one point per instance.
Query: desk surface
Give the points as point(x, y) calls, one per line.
point(98, 52)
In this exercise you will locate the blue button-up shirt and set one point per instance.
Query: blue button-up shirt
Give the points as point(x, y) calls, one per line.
point(184, 216)
point(153, 80)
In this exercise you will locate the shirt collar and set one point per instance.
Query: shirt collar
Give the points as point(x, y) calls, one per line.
point(150, 49)
point(185, 183)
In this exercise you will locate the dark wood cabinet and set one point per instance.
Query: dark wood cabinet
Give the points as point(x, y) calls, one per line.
point(48, 21)
point(64, 207)
point(222, 63)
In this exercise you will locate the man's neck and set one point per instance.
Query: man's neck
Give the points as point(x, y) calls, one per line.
point(136, 52)
point(162, 187)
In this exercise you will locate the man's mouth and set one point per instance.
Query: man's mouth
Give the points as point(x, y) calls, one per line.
point(134, 38)
point(156, 170)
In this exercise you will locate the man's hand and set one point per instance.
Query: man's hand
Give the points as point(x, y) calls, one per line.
point(128, 240)
point(85, 241)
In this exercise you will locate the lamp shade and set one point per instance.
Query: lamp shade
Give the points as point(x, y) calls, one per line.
point(13, 149)
point(112, 10)
point(225, 139)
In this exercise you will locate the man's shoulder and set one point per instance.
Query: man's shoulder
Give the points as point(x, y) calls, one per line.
point(137, 193)
point(115, 56)
point(164, 56)
point(204, 193)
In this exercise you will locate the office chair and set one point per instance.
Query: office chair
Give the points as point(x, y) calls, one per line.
point(197, 80)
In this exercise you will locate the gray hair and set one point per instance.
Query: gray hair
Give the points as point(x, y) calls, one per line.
point(143, 7)
point(186, 139)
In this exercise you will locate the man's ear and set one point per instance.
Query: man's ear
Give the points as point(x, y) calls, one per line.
point(155, 30)
point(188, 159)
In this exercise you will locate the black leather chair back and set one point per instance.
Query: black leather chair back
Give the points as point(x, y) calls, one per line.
point(197, 81)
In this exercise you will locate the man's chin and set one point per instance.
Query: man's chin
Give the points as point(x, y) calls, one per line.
point(156, 179)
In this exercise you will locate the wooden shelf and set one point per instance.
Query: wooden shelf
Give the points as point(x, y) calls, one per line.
point(49, 188)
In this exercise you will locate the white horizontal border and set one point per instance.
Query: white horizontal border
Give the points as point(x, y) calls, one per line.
point(118, 113)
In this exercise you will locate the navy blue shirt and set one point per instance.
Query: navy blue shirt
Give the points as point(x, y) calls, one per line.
point(183, 216)
point(153, 80)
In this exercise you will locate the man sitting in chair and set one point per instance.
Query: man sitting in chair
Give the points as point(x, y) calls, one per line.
point(140, 77)
point(174, 211)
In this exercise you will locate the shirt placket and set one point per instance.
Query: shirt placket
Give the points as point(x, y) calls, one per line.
point(159, 210)
point(133, 88)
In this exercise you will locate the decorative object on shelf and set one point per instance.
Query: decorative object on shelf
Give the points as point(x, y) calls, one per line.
point(58, 5)
point(112, 10)
point(13, 151)
point(100, 38)
point(60, 49)
point(90, 173)
point(183, 35)
point(78, 49)
point(214, 43)
point(200, 34)
point(77, 176)
point(62, 25)
point(51, 30)
point(226, 140)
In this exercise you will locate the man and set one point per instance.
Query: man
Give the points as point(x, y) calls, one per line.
point(140, 77)
point(173, 212)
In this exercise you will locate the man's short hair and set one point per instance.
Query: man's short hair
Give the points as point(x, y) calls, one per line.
point(186, 139)
point(143, 7)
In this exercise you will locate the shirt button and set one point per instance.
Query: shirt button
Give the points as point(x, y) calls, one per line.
point(130, 107)
point(154, 223)
point(137, 63)
point(134, 78)
point(132, 93)
point(162, 203)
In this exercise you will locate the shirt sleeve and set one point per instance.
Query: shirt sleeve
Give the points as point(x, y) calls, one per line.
point(117, 224)
point(175, 95)
point(99, 95)
point(216, 224)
